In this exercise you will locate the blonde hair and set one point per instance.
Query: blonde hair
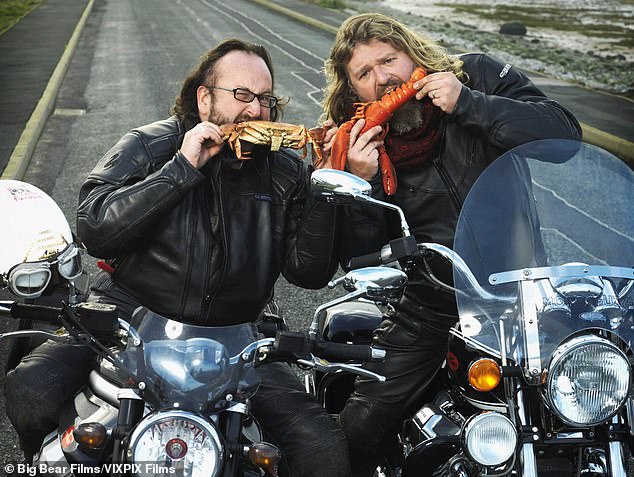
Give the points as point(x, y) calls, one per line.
point(361, 29)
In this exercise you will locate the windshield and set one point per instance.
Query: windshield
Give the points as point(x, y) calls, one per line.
point(190, 367)
point(560, 214)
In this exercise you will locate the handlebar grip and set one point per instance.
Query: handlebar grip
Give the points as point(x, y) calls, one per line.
point(35, 312)
point(347, 352)
point(370, 260)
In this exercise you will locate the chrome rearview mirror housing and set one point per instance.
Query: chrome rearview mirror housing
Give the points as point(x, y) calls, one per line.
point(338, 187)
point(343, 188)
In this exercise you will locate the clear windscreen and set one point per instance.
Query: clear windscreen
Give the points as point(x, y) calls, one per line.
point(187, 366)
point(559, 214)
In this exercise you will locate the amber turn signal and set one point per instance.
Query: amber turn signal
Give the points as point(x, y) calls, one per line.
point(484, 375)
point(265, 456)
point(90, 435)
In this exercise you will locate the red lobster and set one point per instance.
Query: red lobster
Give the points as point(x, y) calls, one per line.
point(376, 113)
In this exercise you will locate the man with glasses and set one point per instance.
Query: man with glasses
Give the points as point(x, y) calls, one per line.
point(196, 235)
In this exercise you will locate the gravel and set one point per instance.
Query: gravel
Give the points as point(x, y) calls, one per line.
point(584, 42)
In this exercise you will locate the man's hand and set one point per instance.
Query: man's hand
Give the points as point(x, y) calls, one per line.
point(363, 153)
point(443, 88)
point(192, 147)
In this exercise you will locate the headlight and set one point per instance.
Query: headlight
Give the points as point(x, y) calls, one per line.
point(176, 439)
point(588, 381)
point(489, 438)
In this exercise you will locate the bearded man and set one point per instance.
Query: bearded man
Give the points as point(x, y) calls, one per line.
point(198, 236)
point(467, 111)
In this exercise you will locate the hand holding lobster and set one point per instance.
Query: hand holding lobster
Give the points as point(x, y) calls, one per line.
point(376, 113)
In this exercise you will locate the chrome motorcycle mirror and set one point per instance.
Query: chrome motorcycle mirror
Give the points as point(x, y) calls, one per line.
point(338, 187)
point(343, 188)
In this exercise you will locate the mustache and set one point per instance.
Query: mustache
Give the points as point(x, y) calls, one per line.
point(381, 90)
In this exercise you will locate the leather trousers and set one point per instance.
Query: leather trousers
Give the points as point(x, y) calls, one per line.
point(374, 413)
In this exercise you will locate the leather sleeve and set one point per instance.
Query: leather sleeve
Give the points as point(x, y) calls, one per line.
point(129, 190)
point(312, 239)
point(503, 106)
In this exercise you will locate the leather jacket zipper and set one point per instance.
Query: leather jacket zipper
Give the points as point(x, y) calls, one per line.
point(450, 185)
point(209, 297)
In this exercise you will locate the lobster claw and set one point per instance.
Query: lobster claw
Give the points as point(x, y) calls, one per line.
point(316, 136)
point(340, 144)
point(388, 173)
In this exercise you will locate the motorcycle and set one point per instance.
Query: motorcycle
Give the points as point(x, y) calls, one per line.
point(538, 375)
point(167, 397)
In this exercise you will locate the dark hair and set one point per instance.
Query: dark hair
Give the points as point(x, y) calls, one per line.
point(186, 105)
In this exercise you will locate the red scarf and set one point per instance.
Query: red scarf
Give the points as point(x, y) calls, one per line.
point(419, 146)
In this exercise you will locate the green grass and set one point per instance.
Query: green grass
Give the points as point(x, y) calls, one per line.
point(11, 11)
point(337, 4)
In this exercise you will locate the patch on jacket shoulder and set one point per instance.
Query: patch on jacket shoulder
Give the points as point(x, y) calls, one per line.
point(505, 70)
point(264, 197)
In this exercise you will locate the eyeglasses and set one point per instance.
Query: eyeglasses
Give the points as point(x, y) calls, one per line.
point(246, 96)
point(30, 279)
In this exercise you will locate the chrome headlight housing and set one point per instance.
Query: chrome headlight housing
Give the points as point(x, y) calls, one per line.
point(588, 381)
point(489, 438)
point(176, 439)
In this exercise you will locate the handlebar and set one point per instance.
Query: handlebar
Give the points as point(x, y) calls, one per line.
point(293, 344)
point(397, 249)
point(346, 352)
point(31, 312)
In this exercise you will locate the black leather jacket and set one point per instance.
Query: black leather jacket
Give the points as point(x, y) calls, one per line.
point(203, 246)
point(498, 108)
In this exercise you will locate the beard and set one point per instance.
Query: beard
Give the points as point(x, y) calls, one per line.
point(408, 117)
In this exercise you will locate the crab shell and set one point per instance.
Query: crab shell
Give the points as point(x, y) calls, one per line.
point(275, 135)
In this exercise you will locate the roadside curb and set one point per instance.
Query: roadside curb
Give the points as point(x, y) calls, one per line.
point(21, 155)
point(297, 16)
point(622, 148)
point(616, 145)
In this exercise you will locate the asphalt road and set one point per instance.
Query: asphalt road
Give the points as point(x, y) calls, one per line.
point(127, 70)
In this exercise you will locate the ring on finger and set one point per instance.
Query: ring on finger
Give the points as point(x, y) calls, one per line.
point(432, 94)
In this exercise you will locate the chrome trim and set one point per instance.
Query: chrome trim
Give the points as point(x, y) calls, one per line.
point(485, 405)
point(130, 330)
point(35, 333)
point(529, 463)
point(104, 389)
point(52, 455)
point(377, 353)
point(159, 416)
point(572, 345)
point(250, 348)
point(629, 408)
point(560, 271)
point(532, 370)
point(128, 393)
point(616, 458)
point(239, 407)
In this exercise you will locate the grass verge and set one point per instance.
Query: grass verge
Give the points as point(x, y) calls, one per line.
point(11, 11)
